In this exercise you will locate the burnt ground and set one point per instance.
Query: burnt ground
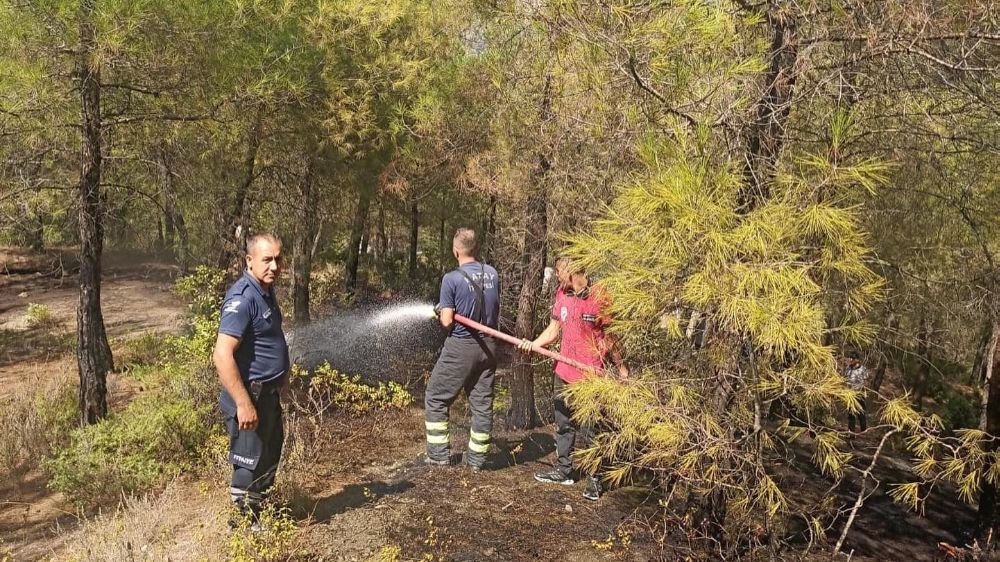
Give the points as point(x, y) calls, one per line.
point(385, 496)
point(356, 485)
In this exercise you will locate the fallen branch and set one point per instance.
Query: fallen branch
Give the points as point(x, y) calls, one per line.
point(861, 493)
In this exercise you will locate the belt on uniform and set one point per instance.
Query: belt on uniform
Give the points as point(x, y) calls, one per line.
point(258, 388)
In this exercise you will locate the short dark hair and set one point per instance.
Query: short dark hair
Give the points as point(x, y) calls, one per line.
point(853, 355)
point(260, 236)
point(465, 241)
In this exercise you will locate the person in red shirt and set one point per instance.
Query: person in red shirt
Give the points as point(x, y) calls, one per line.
point(579, 315)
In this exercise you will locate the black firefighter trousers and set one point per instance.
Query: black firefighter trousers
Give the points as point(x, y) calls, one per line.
point(470, 364)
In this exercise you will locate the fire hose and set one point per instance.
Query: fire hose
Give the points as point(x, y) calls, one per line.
point(472, 324)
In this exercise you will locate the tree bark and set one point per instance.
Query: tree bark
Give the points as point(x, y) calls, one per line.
point(766, 133)
point(523, 414)
point(988, 516)
point(304, 235)
point(414, 238)
point(981, 360)
point(234, 224)
point(926, 357)
point(381, 238)
point(442, 250)
point(884, 349)
point(93, 354)
point(491, 229)
point(35, 228)
point(354, 247)
point(169, 201)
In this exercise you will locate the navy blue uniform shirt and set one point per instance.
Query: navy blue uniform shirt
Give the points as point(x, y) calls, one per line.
point(457, 293)
point(250, 313)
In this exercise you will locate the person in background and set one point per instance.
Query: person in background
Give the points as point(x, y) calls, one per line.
point(856, 375)
point(579, 320)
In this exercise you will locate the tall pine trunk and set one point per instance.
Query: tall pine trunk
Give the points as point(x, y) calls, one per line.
point(354, 248)
point(491, 227)
point(169, 201)
point(925, 356)
point(414, 238)
point(766, 133)
point(93, 352)
point(988, 517)
point(34, 227)
point(523, 414)
point(234, 225)
point(305, 232)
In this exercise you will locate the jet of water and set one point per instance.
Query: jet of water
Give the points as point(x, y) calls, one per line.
point(406, 312)
point(388, 342)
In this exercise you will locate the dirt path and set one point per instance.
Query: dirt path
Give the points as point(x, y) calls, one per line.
point(135, 298)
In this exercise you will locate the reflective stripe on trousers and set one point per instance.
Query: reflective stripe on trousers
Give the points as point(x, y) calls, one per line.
point(479, 442)
point(437, 432)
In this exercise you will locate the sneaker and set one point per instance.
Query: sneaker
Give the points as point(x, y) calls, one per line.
point(554, 476)
point(593, 490)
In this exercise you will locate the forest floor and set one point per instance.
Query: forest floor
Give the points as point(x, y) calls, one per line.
point(368, 492)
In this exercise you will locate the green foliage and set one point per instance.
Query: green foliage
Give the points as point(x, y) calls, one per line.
point(154, 438)
point(675, 250)
point(957, 410)
point(387, 553)
point(204, 290)
point(40, 316)
point(329, 390)
point(145, 349)
point(275, 542)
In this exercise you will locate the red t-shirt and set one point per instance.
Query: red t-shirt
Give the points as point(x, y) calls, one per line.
point(583, 322)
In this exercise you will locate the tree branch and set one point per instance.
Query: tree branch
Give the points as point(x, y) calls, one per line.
point(642, 84)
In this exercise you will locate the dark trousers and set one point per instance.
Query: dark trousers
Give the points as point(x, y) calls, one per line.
point(469, 364)
point(254, 454)
point(860, 417)
point(567, 429)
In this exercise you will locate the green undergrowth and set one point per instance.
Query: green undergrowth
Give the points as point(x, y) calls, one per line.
point(326, 388)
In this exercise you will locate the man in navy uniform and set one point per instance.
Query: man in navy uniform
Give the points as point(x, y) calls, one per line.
point(468, 359)
point(252, 359)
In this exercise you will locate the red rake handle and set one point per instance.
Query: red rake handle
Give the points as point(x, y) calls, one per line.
point(468, 323)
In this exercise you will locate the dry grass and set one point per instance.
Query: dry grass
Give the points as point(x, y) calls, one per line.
point(32, 424)
point(182, 523)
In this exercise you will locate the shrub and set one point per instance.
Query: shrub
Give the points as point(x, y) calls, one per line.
point(40, 316)
point(957, 410)
point(163, 432)
point(325, 284)
point(204, 289)
point(274, 542)
point(388, 553)
point(145, 349)
point(329, 390)
point(155, 437)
